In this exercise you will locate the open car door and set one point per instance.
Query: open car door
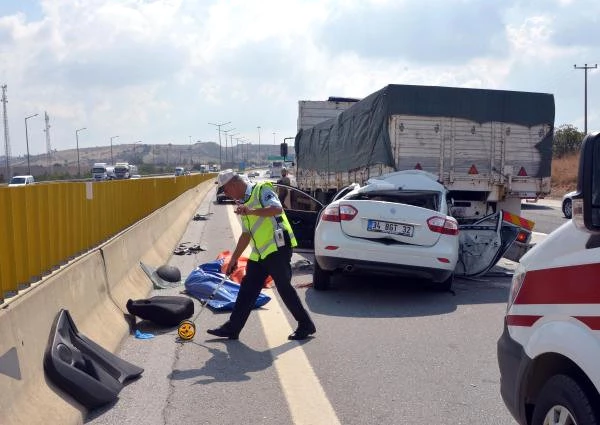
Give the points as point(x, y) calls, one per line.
point(483, 243)
point(302, 211)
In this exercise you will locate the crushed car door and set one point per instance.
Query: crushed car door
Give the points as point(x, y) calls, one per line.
point(483, 243)
point(302, 211)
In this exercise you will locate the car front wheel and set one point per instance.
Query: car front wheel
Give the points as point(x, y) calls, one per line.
point(563, 402)
point(567, 208)
point(321, 278)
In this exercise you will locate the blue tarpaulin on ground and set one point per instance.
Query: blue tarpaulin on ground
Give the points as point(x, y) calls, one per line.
point(205, 278)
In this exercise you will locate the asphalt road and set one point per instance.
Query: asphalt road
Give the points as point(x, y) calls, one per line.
point(385, 352)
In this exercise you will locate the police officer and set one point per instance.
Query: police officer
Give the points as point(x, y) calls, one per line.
point(267, 228)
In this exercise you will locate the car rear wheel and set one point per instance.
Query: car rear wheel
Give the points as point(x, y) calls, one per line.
point(321, 278)
point(563, 402)
point(567, 208)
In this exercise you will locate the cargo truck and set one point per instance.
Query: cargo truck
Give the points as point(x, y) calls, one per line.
point(490, 148)
point(103, 171)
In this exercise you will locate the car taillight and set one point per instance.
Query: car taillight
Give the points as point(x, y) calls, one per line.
point(331, 213)
point(347, 212)
point(337, 213)
point(445, 226)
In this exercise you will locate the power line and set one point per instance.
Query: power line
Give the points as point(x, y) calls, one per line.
point(585, 68)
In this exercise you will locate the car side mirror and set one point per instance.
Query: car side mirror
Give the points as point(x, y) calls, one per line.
point(586, 202)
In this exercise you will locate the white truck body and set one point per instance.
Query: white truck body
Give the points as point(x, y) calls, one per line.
point(102, 171)
point(124, 170)
point(312, 112)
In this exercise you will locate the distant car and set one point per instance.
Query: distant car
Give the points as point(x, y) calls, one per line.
point(567, 204)
point(253, 174)
point(396, 224)
point(21, 181)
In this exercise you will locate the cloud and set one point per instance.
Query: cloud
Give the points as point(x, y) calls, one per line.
point(442, 31)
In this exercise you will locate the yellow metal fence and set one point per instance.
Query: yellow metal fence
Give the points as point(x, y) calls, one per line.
point(44, 225)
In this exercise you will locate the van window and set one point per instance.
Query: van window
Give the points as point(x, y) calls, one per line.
point(17, 180)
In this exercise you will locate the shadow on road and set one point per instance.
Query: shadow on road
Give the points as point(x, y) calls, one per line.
point(378, 297)
point(232, 364)
point(525, 206)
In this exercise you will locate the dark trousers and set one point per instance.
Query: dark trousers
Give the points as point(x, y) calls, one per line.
point(277, 265)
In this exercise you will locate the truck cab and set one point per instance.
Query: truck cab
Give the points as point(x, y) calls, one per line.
point(549, 351)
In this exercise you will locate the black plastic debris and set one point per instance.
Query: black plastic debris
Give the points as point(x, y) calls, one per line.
point(77, 365)
point(157, 281)
point(183, 249)
point(162, 310)
point(169, 273)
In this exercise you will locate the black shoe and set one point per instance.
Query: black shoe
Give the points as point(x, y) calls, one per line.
point(223, 333)
point(303, 332)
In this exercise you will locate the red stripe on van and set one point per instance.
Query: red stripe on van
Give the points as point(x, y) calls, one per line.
point(592, 322)
point(521, 320)
point(561, 285)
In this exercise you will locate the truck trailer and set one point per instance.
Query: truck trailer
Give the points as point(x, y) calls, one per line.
point(489, 148)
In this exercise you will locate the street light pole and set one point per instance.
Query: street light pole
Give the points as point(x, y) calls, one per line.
point(227, 131)
point(111, 155)
point(585, 68)
point(258, 143)
point(27, 142)
point(77, 140)
point(219, 130)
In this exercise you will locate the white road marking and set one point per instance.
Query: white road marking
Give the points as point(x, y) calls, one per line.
point(304, 394)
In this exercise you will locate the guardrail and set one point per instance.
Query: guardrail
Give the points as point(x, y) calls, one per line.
point(43, 226)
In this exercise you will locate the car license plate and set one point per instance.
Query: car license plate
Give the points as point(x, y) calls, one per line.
point(391, 228)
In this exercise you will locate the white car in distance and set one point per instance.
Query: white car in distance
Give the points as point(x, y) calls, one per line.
point(396, 224)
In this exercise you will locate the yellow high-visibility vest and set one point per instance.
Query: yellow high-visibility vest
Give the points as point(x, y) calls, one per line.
point(262, 229)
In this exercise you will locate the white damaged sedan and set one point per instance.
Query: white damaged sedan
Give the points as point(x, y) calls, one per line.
point(396, 224)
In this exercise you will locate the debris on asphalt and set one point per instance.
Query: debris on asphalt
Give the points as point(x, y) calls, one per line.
point(184, 249)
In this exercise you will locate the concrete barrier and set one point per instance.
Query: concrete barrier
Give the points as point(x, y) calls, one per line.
point(94, 288)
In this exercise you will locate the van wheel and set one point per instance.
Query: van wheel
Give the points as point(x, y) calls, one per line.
point(321, 278)
point(562, 402)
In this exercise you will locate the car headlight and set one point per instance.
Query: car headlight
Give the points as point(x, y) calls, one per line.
point(515, 286)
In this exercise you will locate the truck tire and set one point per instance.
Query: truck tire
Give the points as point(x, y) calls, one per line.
point(563, 401)
point(321, 278)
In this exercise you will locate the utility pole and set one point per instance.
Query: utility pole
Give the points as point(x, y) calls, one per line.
point(585, 68)
point(7, 152)
point(219, 130)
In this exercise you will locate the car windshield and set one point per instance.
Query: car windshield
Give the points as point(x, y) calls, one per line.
point(424, 199)
point(17, 180)
point(98, 170)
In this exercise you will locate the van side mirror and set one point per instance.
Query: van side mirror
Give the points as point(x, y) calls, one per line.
point(586, 203)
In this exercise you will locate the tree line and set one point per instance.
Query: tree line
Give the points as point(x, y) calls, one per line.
point(567, 140)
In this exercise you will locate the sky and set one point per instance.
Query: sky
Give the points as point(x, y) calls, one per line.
point(160, 71)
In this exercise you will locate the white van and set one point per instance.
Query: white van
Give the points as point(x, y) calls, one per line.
point(21, 181)
point(549, 352)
